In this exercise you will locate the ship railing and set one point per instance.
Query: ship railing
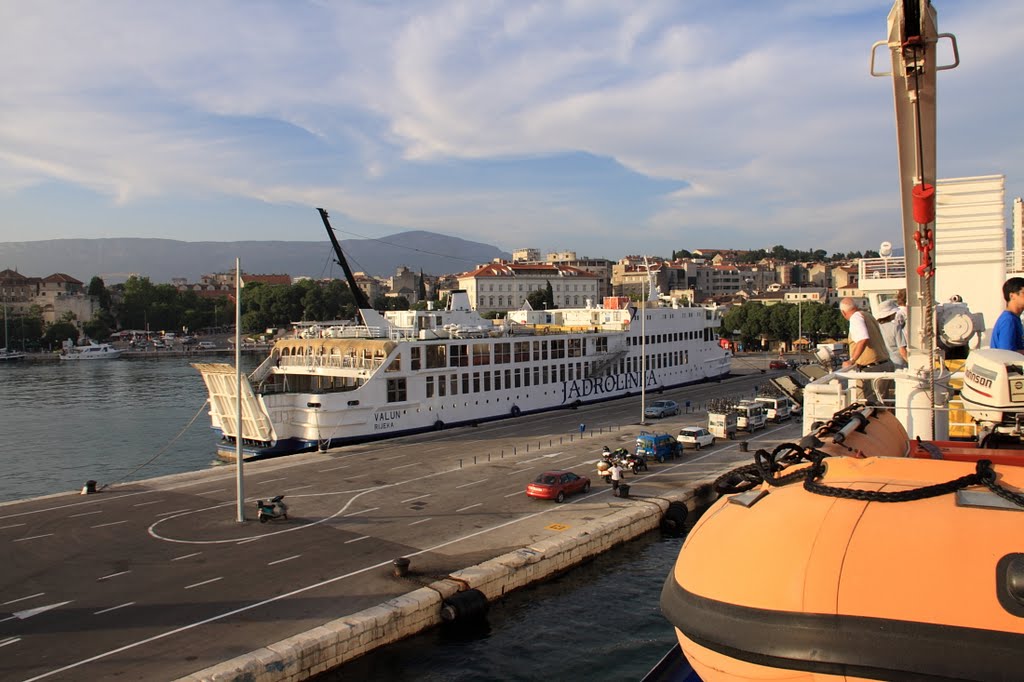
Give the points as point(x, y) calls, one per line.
point(331, 362)
point(883, 268)
point(261, 372)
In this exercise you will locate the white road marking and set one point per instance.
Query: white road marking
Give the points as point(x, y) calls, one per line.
point(301, 487)
point(478, 504)
point(243, 542)
point(520, 471)
point(205, 582)
point(359, 475)
point(12, 640)
point(146, 504)
point(176, 511)
point(344, 466)
point(112, 575)
point(113, 608)
point(186, 556)
point(31, 596)
point(466, 485)
point(415, 498)
point(13, 525)
point(33, 537)
point(281, 561)
point(385, 459)
point(39, 609)
point(112, 523)
point(211, 492)
point(75, 516)
point(421, 521)
point(361, 511)
point(404, 466)
point(518, 492)
point(270, 480)
point(349, 542)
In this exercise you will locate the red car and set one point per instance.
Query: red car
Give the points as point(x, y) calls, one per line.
point(557, 485)
point(778, 364)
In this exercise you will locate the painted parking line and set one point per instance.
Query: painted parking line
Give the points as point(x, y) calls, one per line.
point(343, 466)
point(176, 511)
point(12, 640)
point(414, 523)
point(518, 492)
point(205, 582)
point(281, 561)
point(32, 537)
point(415, 498)
point(301, 487)
point(31, 596)
point(13, 525)
point(270, 480)
point(387, 459)
point(74, 516)
point(113, 608)
point(361, 511)
point(349, 542)
point(112, 575)
point(186, 556)
point(466, 485)
point(112, 523)
point(520, 471)
point(404, 466)
point(146, 504)
point(478, 504)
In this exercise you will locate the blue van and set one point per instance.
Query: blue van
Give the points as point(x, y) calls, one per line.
point(659, 446)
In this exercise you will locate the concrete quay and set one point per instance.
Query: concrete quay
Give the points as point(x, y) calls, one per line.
point(158, 580)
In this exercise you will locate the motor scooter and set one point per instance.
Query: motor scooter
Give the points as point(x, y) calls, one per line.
point(275, 509)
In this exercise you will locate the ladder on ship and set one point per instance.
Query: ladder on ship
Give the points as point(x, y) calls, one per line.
point(605, 363)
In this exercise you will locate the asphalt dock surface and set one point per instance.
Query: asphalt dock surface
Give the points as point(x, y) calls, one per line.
point(157, 580)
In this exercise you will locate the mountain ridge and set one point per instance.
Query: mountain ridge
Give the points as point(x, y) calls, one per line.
point(115, 258)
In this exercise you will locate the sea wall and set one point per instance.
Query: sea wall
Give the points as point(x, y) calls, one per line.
point(339, 641)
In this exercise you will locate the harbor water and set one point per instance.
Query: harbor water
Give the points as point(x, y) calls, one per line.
point(109, 421)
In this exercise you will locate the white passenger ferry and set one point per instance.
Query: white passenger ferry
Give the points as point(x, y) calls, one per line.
point(409, 371)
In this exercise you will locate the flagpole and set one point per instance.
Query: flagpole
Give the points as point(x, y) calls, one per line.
point(239, 479)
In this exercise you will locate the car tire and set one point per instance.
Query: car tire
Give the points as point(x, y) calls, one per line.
point(560, 498)
point(712, 441)
point(586, 487)
point(697, 445)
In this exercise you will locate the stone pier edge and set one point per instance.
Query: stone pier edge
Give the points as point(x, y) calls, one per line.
point(328, 646)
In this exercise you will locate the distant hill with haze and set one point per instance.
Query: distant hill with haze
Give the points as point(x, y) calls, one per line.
point(115, 259)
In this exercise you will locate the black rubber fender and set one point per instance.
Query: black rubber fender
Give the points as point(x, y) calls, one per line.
point(516, 411)
point(674, 521)
point(465, 606)
point(438, 425)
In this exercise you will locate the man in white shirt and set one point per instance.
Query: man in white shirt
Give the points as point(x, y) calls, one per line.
point(867, 349)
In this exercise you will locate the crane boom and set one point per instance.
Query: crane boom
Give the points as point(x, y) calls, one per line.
point(362, 302)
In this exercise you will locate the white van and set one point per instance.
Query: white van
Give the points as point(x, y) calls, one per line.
point(750, 416)
point(779, 409)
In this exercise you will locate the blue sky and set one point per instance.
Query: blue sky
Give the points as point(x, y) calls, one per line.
point(607, 128)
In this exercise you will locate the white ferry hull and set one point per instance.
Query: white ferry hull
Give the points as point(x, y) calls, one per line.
point(493, 376)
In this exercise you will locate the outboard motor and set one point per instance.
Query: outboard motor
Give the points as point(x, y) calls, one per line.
point(993, 392)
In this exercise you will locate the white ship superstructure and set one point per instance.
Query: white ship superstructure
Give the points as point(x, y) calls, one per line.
point(408, 371)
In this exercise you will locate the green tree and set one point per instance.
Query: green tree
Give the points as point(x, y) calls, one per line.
point(58, 332)
point(538, 299)
point(98, 289)
point(549, 295)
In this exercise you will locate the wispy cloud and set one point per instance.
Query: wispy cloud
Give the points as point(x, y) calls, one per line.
point(750, 123)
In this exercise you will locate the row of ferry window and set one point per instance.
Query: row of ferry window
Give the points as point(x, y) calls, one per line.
point(439, 356)
point(476, 382)
point(674, 337)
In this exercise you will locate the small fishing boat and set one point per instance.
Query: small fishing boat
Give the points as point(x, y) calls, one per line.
point(93, 351)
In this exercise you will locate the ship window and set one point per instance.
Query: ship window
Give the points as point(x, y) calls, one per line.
point(476, 382)
point(487, 381)
point(526, 376)
point(601, 344)
point(508, 378)
point(436, 356)
point(558, 349)
point(414, 358)
point(430, 387)
point(395, 365)
point(522, 349)
point(459, 355)
point(536, 376)
point(455, 384)
point(441, 386)
point(536, 351)
point(481, 354)
point(465, 383)
point(575, 348)
point(518, 379)
point(497, 381)
point(502, 353)
point(396, 390)
point(546, 374)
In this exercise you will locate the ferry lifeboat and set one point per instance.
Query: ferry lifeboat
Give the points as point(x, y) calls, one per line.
point(840, 579)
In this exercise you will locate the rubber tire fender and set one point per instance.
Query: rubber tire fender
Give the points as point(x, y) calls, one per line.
point(515, 411)
point(674, 521)
point(468, 605)
point(438, 425)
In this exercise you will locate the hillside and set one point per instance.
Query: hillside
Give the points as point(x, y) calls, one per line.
point(161, 259)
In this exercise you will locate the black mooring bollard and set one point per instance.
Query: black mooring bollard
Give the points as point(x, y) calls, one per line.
point(401, 567)
point(744, 446)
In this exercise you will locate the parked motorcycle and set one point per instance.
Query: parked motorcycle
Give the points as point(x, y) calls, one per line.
point(274, 509)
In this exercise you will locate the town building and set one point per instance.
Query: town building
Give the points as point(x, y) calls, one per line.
point(505, 286)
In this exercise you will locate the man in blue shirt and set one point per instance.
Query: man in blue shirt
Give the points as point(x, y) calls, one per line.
point(1008, 332)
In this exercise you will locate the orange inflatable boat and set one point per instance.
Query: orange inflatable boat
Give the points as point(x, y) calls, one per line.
point(894, 568)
